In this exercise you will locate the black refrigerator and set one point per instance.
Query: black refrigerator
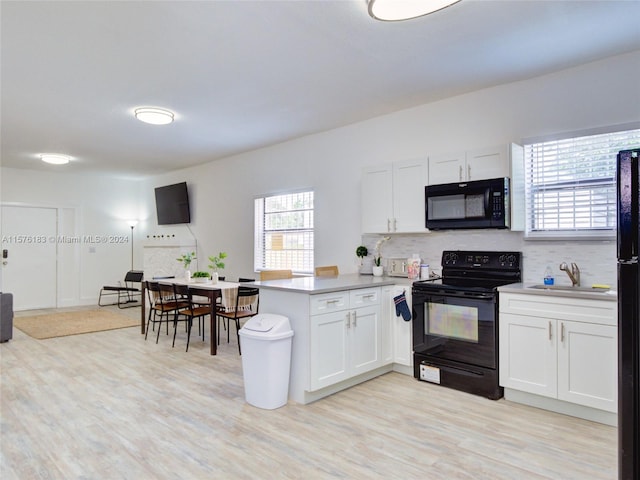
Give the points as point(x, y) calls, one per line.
point(628, 188)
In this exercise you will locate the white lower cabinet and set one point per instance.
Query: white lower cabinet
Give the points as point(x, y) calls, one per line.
point(397, 333)
point(560, 347)
point(345, 335)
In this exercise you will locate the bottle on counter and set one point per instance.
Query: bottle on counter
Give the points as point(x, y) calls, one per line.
point(413, 267)
point(424, 271)
point(548, 276)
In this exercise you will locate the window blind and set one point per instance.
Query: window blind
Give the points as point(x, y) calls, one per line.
point(284, 232)
point(571, 184)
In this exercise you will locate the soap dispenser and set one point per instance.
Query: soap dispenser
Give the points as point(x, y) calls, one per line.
point(548, 276)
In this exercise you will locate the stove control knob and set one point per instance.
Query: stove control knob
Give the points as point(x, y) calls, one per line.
point(511, 259)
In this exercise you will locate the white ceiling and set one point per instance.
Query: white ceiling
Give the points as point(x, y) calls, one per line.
point(242, 75)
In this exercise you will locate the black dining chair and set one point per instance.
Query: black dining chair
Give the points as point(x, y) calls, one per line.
point(192, 311)
point(247, 302)
point(162, 306)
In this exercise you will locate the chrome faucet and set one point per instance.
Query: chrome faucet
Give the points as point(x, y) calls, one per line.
point(574, 273)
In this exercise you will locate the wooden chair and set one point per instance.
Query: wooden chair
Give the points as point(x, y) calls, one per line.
point(127, 293)
point(275, 274)
point(191, 311)
point(327, 271)
point(163, 306)
point(246, 306)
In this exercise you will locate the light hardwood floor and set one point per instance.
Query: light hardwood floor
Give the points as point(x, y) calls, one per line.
point(111, 405)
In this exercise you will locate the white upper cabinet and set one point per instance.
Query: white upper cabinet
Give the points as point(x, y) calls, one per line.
point(483, 163)
point(493, 162)
point(478, 164)
point(447, 168)
point(393, 197)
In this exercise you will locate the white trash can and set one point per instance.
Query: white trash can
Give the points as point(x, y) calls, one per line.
point(265, 341)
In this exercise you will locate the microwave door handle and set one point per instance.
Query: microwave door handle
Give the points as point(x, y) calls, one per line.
point(487, 204)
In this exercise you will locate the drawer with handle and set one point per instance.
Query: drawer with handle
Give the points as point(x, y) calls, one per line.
point(329, 302)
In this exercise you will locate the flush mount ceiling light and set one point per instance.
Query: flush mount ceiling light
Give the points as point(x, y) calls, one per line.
point(394, 10)
point(153, 115)
point(55, 158)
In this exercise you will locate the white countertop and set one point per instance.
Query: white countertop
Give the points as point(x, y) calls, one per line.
point(314, 285)
point(593, 294)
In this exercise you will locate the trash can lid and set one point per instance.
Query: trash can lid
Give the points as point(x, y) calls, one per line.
point(267, 325)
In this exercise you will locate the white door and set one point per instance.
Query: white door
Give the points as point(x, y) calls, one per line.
point(328, 349)
point(409, 180)
point(488, 163)
point(588, 365)
point(377, 199)
point(447, 168)
point(364, 350)
point(402, 331)
point(29, 256)
point(528, 354)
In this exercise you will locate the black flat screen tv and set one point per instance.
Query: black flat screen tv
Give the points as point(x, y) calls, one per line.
point(172, 204)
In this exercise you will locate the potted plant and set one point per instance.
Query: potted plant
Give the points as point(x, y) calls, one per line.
point(201, 277)
point(377, 257)
point(361, 252)
point(186, 259)
point(216, 264)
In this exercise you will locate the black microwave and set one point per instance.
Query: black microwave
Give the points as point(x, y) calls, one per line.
point(476, 204)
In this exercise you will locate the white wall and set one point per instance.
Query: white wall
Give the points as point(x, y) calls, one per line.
point(222, 192)
point(594, 95)
point(88, 205)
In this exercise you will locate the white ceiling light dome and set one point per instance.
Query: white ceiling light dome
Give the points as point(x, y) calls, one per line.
point(395, 10)
point(55, 158)
point(154, 115)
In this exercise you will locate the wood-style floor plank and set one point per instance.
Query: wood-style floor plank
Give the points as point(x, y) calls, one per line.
point(111, 405)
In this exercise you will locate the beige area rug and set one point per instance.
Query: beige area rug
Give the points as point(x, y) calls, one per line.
point(72, 323)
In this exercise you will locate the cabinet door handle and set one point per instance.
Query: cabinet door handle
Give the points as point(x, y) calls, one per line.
point(395, 226)
point(468, 172)
point(348, 317)
point(355, 320)
point(460, 173)
point(337, 300)
point(562, 332)
point(550, 330)
point(388, 224)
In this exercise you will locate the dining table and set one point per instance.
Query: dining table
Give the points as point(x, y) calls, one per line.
point(219, 289)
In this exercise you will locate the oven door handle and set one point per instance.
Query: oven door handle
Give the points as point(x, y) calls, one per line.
point(444, 294)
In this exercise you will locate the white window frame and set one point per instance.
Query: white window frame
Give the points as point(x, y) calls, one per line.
point(287, 256)
point(569, 185)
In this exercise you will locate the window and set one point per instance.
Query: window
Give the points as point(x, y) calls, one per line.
point(571, 185)
point(284, 232)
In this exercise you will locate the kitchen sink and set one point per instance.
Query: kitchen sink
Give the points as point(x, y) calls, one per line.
point(568, 288)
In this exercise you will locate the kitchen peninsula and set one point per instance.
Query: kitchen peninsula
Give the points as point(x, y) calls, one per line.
point(342, 330)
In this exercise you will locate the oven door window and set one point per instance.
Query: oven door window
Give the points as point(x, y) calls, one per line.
point(456, 328)
point(452, 321)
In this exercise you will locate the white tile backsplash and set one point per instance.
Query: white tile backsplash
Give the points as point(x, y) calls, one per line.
point(596, 259)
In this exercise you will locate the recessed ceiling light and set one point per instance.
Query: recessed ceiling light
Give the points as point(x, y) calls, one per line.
point(55, 158)
point(394, 10)
point(153, 115)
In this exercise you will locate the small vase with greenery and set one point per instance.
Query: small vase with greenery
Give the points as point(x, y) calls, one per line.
point(216, 264)
point(186, 259)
